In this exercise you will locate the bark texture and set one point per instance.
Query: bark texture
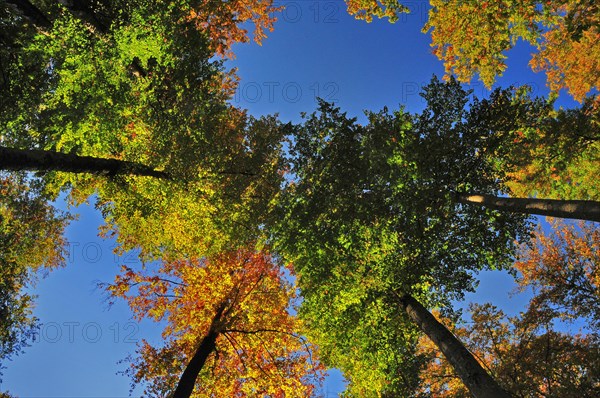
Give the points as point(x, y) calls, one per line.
point(39, 160)
point(576, 209)
point(207, 346)
point(31, 12)
point(472, 374)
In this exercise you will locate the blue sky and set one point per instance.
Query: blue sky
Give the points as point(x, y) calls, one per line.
point(317, 49)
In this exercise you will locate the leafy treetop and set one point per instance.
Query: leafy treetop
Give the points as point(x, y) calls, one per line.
point(370, 215)
point(259, 351)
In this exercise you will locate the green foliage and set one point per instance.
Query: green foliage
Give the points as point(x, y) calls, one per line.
point(140, 82)
point(30, 239)
point(370, 215)
point(557, 156)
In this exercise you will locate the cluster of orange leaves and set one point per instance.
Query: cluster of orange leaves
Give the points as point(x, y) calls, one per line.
point(222, 21)
point(571, 64)
point(522, 353)
point(471, 38)
point(564, 270)
point(259, 350)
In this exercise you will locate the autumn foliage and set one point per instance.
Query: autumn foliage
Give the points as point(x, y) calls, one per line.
point(31, 240)
point(563, 269)
point(472, 37)
point(538, 353)
point(525, 354)
point(258, 349)
point(223, 21)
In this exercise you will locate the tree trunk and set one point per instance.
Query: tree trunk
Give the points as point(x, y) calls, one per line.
point(31, 12)
point(578, 209)
point(207, 346)
point(79, 9)
point(187, 381)
point(38, 160)
point(472, 374)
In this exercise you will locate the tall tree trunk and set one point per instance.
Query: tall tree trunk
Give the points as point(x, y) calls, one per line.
point(207, 346)
point(578, 209)
point(39, 160)
point(472, 374)
point(82, 9)
point(32, 13)
point(79, 9)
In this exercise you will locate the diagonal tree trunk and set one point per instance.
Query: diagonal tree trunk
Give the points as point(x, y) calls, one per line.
point(32, 13)
point(577, 209)
point(472, 374)
point(39, 160)
point(207, 346)
point(79, 9)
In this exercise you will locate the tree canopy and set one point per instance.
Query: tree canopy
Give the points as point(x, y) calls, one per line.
point(370, 216)
point(31, 241)
point(472, 37)
point(240, 297)
point(139, 82)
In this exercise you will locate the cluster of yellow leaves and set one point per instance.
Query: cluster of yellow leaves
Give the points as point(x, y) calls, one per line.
point(471, 37)
point(366, 9)
point(258, 350)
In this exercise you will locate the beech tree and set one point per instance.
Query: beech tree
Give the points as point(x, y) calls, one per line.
point(472, 37)
point(138, 83)
point(370, 216)
point(229, 330)
point(562, 269)
point(524, 353)
point(500, 148)
point(31, 241)
point(387, 210)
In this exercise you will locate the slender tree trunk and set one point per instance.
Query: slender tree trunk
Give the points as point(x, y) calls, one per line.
point(207, 346)
point(578, 209)
point(186, 384)
point(472, 374)
point(39, 160)
point(79, 9)
point(32, 13)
